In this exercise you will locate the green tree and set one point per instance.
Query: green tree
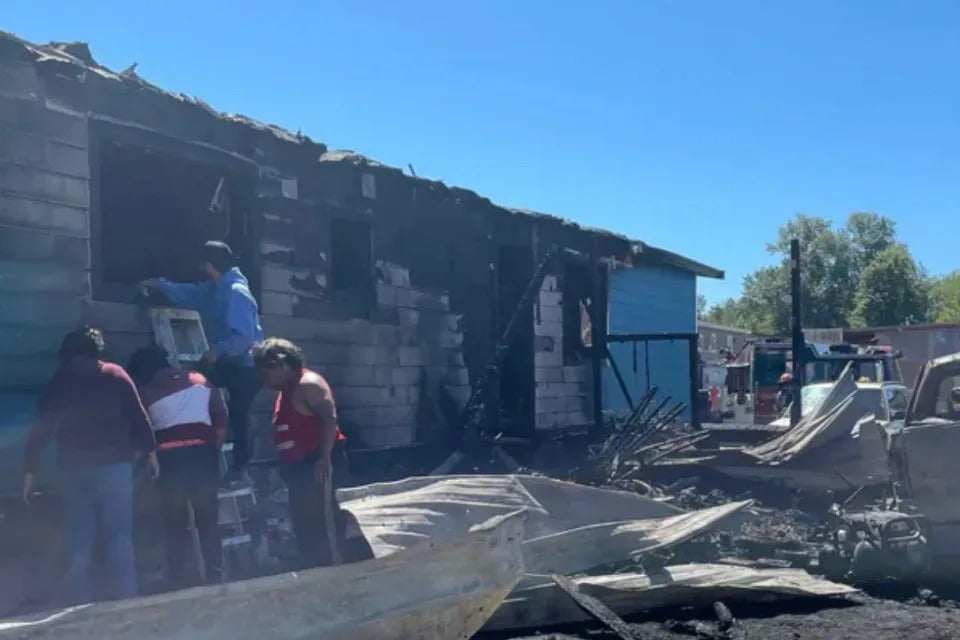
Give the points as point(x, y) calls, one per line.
point(893, 289)
point(945, 299)
point(765, 304)
point(828, 276)
point(870, 233)
point(729, 313)
point(834, 263)
point(701, 306)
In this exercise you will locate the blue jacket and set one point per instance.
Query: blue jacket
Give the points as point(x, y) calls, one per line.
point(228, 310)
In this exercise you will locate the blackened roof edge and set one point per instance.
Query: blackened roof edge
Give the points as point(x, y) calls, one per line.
point(79, 55)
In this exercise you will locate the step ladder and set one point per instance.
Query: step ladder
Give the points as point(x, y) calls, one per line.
point(180, 333)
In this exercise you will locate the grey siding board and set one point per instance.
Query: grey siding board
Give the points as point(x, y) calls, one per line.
point(39, 152)
point(28, 245)
point(28, 211)
point(53, 187)
point(18, 80)
point(21, 340)
point(40, 310)
point(44, 277)
point(32, 117)
point(117, 317)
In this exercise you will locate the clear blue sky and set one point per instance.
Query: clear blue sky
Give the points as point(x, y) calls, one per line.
point(699, 126)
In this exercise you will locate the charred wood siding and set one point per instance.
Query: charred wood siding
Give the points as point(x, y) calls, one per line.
point(400, 352)
point(44, 245)
point(44, 235)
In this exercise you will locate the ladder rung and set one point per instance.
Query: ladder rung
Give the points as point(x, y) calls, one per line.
point(225, 494)
point(236, 541)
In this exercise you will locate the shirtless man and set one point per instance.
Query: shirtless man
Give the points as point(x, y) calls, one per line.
point(310, 448)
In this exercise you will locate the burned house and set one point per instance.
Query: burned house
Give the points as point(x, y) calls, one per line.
point(397, 287)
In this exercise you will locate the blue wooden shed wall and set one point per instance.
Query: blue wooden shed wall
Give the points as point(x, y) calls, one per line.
point(650, 299)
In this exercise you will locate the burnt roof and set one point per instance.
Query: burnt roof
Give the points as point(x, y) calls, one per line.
point(76, 57)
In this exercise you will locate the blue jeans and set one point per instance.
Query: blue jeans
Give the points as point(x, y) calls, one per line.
point(99, 503)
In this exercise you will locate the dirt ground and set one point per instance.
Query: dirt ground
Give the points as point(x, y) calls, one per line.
point(859, 618)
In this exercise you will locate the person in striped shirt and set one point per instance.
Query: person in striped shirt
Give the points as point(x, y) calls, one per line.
point(190, 422)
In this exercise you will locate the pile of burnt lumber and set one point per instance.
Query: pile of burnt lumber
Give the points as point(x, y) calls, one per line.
point(637, 439)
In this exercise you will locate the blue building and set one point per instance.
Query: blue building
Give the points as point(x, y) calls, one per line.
point(651, 299)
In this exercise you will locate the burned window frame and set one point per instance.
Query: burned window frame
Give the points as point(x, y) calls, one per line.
point(362, 290)
point(575, 302)
point(102, 133)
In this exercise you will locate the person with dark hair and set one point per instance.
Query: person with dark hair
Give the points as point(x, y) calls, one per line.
point(92, 409)
point(231, 320)
point(310, 448)
point(189, 421)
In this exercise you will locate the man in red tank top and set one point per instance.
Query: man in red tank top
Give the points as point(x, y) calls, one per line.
point(306, 434)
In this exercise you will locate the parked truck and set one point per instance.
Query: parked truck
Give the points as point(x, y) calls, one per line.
point(924, 458)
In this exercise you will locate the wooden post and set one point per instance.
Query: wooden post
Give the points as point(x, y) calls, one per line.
point(799, 344)
point(598, 336)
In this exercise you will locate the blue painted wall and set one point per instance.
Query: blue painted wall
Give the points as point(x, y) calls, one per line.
point(650, 299)
point(17, 412)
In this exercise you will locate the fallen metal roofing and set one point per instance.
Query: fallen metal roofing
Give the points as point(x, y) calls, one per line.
point(397, 515)
point(631, 594)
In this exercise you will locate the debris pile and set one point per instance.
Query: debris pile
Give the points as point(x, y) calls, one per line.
point(641, 437)
point(682, 545)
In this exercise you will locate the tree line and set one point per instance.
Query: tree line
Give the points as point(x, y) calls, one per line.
point(859, 274)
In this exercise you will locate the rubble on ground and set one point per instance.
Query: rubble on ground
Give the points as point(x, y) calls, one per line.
point(628, 535)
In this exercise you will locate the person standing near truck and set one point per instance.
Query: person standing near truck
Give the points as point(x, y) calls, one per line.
point(785, 391)
point(92, 409)
point(231, 319)
point(190, 421)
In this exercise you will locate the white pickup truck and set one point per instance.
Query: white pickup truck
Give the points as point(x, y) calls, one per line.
point(891, 403)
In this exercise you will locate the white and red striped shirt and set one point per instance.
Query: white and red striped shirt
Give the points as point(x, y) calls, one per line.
point(184, 409)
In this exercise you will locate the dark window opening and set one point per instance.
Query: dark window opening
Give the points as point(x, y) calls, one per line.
point(351, 255)
point(154, 212)
point(577, 323)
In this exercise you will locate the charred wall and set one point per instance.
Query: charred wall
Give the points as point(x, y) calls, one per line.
point(391, 283)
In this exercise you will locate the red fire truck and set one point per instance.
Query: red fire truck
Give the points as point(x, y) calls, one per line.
point(773, 357)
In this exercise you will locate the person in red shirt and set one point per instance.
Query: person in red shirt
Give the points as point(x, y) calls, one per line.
point(92, 409)
point(190, 422)
point(310, 448)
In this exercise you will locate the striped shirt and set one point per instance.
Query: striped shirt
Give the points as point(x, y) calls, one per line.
point(184, 408)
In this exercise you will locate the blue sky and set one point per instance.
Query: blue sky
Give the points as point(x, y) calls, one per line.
point(698, 126)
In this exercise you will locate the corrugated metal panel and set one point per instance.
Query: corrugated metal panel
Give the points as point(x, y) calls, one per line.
point(650, 299)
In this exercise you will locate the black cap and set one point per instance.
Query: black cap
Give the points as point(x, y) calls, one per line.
point(219, 255)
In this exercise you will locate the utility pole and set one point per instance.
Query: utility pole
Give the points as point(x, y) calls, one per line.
point(799, 346)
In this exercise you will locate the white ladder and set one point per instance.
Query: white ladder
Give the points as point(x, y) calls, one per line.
point(180, 332)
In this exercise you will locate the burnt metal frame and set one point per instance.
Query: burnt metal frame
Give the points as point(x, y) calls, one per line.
point(109, 131)
point(694, 362)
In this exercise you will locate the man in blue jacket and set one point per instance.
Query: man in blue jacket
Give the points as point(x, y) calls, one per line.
point(231, 321)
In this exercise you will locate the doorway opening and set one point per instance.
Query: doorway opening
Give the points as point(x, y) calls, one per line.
point(517, 388)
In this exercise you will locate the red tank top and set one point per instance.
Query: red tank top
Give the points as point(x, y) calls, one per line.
point(296, 434)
